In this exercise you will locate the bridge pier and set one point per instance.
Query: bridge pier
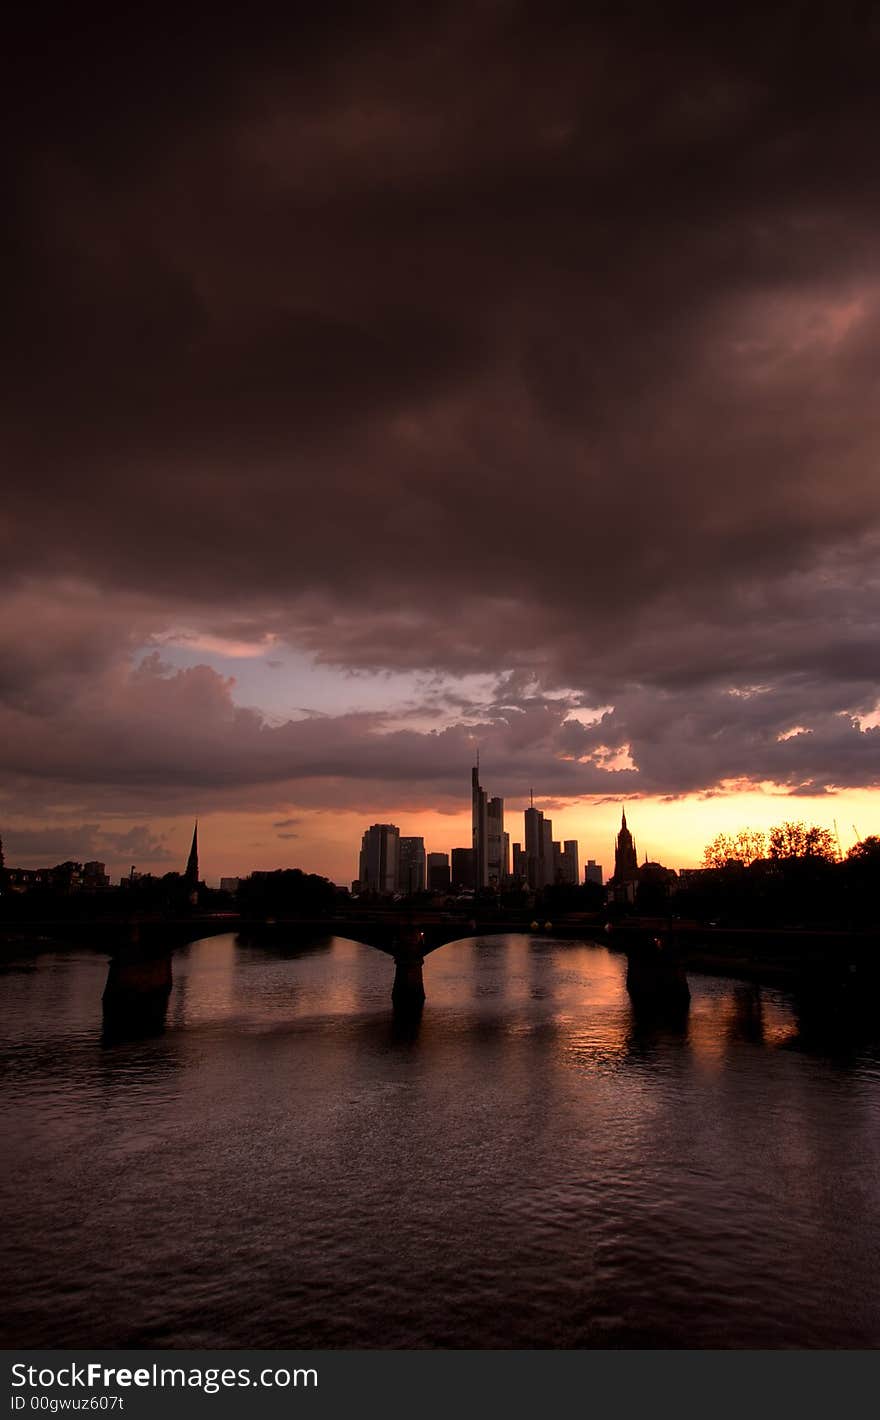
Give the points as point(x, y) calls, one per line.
point(655, 976)
point(408, 991)
point(137, 991)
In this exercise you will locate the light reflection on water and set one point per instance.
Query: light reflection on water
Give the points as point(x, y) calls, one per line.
point(530, 1164)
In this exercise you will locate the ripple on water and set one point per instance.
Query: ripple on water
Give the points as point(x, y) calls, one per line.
point(530, 1166)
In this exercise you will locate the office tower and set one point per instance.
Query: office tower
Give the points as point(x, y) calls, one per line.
point(539, 848)
point(497, 867)
point(480, 827)
point(505, 858)
point(565, 863)
point(438, 872)
point(411, 865)
point(520, 862)
point(380, 850)
point(547, 852)
point(557, 861)
point(593, 872)
point(534, 851)
point(462, 868)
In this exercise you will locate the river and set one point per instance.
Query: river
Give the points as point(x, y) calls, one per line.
point(529, 1166)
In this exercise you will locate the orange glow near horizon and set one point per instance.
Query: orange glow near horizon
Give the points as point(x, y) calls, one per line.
point(328, 841)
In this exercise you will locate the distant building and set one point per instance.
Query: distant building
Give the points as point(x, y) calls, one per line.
point(67, 877)
point(565, 863)
point(379, 859)
point(230, 884)
point(463, 869)
point(539, 848)
point(480, 830)
point(438, 872)
point(95, 876)
point(497, 843)
point(191, 874)
point(593, 872)
point(411, 866)
point(624, 881)
point(692, 877)
point(626, 863)
point(656, 883)
point(520, 862)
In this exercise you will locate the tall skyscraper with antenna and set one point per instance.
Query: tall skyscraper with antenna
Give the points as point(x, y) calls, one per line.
point(480, 829)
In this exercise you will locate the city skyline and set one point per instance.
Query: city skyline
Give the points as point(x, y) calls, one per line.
point(563, 852)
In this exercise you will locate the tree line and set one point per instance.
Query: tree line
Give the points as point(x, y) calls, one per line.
point(794, 874)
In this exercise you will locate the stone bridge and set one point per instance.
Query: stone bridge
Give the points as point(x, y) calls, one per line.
point(141, 949)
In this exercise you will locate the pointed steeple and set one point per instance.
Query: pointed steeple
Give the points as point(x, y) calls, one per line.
point(191, 876)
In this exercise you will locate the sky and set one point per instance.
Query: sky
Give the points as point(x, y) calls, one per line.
point(388, 382)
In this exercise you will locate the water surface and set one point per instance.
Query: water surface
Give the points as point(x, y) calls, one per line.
point(531, 1166)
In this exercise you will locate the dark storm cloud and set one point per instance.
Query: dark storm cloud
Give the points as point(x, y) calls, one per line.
point(85, 842)
point(507, 338)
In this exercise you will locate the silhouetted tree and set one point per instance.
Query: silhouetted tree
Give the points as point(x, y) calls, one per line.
point(747, 846)
point(286, 892)
point(861, 871)
point(866, 853)
point(800, 840)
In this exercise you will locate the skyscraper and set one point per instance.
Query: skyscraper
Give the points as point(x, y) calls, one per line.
point(380, 855)
point(480, 826)
point(547, 851)
point(539, 848)
point(497, 850)
point(565, 862)
point(593, 872)
point(411, 868)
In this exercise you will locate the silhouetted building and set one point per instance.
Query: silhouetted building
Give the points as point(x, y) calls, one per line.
point(593, 872)
point(463, 869)
point(480, 830)
point(230, 884)
point(626, 864)
point(438, 872)
point(94, 877)
point(539, 848)
point(497, 850)
point(693, 877)
point(191, 875)
point(520, 862)
point(656, 884)
point(380, 851)
point(565, 863)
point(411, 865)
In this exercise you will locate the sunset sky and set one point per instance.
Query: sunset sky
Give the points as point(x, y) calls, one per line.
point(388, 382)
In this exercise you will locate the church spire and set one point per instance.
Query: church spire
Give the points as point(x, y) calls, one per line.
point(191, 876)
